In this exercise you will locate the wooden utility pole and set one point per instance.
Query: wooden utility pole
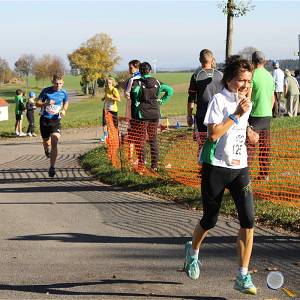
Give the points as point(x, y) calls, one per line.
point(229, 33)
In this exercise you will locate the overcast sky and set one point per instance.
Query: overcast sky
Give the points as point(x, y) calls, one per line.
point(173, 32)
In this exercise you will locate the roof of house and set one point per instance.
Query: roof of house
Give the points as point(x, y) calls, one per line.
point(3, 102)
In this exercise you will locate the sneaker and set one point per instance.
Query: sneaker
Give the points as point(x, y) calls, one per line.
point(17, 133)
point(104, 137)
point(51, 172)
point(22, 134)
point(29, 134)
point(47, 153)
point(33, 134)
point(244, 284)
point(191, 264)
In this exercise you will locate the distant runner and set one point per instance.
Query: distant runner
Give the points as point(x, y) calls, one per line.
point(54, 103)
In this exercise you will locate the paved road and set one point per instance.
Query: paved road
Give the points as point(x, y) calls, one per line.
point(73, 237)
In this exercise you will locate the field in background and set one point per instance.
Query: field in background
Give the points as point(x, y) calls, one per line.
point(88, 112)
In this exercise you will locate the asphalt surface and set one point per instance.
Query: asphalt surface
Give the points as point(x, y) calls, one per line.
point(73, 237)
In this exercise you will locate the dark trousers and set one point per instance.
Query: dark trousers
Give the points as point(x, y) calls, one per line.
point(276, 107)
point(262, 126)
point(30, 118)
point(213, 184)
point(140, 129)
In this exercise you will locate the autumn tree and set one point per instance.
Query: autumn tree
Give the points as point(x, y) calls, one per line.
point(94, 59)
point(233, 9)
point(47, 66)
point(23, 66)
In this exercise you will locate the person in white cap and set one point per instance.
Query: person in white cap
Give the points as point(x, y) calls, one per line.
point(278, 76)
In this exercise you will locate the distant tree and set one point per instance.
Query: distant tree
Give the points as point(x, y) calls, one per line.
point(23, 66)
point(95, 59)
point(233, 9)
point(247, 52)
point(47, 66)
point(5, 71)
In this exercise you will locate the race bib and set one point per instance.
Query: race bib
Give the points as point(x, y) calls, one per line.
point(234, 147)
point(53, 109)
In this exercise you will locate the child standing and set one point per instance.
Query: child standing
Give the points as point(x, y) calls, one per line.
point(111, 99)
point(30, 107)
point(20, 108)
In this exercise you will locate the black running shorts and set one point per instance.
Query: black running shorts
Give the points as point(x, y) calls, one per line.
point(49, 126)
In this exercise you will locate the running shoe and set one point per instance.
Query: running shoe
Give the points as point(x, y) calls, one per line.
point(51, 172)
point(22, 134)
point(29, 134)
point(191, 264)
point(244, 284)
point(33, 134)
point(47, 153)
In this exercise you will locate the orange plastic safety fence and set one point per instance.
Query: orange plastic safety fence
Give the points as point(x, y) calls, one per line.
point(149, 149)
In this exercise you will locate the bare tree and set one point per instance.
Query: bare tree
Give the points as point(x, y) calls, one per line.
point(247, 52)
point(5, 71)
point(23, 66)
point(233, 9)
point(47, 66)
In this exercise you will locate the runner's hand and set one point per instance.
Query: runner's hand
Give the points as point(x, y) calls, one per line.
point(62, 113)
point(243, 106)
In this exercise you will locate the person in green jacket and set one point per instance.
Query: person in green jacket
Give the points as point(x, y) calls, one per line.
point(20, 108)
point(146, 114)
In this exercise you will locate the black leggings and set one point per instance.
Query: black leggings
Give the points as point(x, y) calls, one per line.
point(214, 181)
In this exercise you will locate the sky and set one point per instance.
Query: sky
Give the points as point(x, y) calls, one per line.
point(167, 33)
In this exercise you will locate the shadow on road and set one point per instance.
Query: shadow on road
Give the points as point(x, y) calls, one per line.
point(70, 237)
point(60, 289)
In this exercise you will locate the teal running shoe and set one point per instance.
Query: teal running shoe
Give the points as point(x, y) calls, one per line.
point(245, 285)
point(191, 264)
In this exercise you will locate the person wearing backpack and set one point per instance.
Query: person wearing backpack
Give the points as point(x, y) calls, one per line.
point(146, 113)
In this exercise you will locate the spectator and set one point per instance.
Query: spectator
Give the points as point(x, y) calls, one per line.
point(30, 108)
point(278, 76)
point(260, 117)
point(19, 110)
point(297, 76)
point(146, 114)
point(110, 109)
point(291, 93)
point(133, 68)
point(204, 84)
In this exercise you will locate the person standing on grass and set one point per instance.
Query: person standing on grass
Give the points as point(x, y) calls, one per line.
point(204, 84)
point(263, 99)
point(278, 77)
point(291, 93)
point(146, 102)
point(224, 158)
point(30, 108)
point(53, 101)
point(19, 110)
point(133, 69)
point(110, 109)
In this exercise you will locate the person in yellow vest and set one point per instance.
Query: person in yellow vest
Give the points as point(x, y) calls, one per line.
point(110, 108)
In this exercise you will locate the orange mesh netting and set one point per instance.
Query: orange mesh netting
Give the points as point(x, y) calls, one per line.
point(149, 149)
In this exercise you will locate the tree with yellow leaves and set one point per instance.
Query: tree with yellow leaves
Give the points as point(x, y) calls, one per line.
point(94, 59)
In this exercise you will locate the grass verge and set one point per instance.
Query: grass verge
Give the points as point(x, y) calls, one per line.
point(267, 213)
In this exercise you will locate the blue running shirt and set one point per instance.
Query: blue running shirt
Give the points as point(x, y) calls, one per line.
point(60, 97)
